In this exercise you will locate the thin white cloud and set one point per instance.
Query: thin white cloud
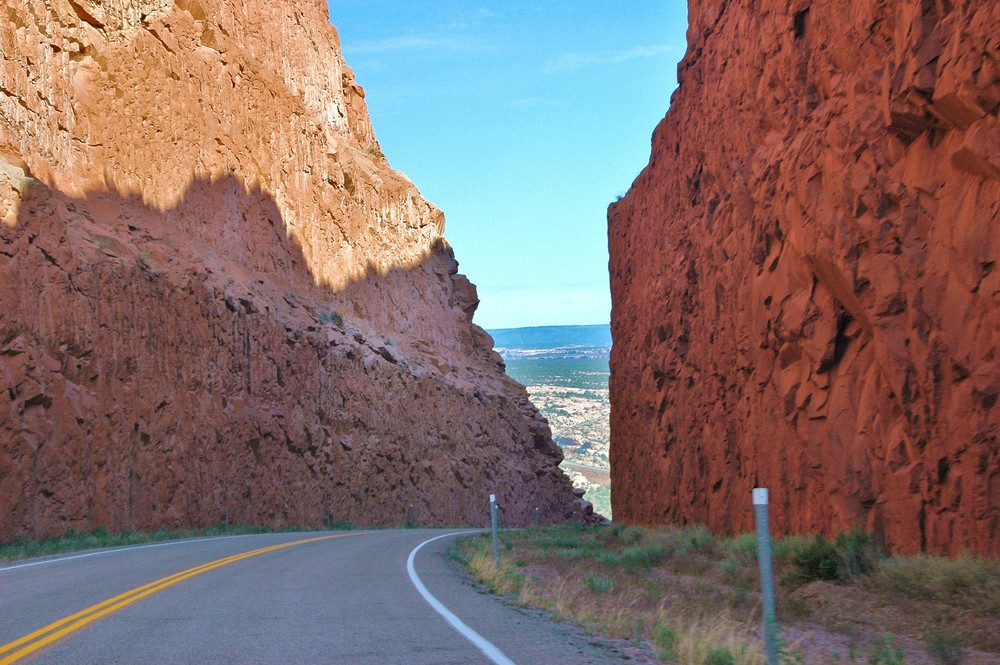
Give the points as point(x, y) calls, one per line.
point(569, 62)
point(391, 44)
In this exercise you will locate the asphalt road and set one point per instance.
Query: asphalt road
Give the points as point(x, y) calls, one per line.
point(346, 599)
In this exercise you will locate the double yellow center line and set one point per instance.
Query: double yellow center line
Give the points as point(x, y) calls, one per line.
point(32, 642)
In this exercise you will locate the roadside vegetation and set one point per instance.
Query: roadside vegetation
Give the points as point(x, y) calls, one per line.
point(73, 541)
point(693, 598)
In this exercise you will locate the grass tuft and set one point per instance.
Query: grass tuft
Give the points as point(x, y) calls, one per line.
point(598, 583)
point(944, 647)
point(637, 557)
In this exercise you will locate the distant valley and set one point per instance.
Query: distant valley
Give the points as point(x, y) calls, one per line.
point(565, 369)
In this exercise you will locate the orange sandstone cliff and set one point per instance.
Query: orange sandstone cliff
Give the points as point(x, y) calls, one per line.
point(805, 287)
point(215, 294)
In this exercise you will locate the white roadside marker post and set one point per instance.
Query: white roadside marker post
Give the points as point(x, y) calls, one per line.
point(496, 535)
point(766, 575)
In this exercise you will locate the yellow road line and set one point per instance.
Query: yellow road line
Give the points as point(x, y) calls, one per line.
point(59, 629)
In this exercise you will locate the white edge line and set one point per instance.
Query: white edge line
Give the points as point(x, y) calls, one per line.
point(484, 645)
point(125, 549)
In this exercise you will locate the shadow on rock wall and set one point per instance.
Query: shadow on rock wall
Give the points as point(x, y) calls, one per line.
point(159, 368)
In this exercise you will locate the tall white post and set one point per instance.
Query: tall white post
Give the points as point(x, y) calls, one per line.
point(496, 535)
point(766, 575)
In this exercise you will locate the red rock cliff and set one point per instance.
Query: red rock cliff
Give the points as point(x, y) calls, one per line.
point(215, 293)
point(804, 281)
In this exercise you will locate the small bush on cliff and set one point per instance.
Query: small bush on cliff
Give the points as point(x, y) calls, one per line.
point(331, 317)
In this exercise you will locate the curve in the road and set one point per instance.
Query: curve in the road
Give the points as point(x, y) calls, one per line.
point(32, 642)
point(484, 645)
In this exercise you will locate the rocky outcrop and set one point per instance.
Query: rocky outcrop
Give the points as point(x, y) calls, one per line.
point(217, 295)
point(804, 283)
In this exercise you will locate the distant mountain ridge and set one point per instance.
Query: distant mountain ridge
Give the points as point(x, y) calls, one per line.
point(552, 337)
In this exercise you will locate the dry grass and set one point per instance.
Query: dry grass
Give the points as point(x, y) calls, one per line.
point(963, 582)
point(615, 596)
point(693, 598)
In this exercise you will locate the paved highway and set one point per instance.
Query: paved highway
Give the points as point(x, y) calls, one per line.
point(273, 598)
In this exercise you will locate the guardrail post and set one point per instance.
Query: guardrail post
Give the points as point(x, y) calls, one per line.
point(496, 535)
point(766, 575)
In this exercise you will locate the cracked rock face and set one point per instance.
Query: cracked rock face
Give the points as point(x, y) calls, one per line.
point(804, 277)
point(216, 294)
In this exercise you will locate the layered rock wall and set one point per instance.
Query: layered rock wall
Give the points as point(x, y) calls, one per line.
point(216, 294)
point(804, 281)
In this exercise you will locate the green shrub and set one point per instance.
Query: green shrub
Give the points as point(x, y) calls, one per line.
point(629, 535)
point(887, 653)
point(743, 545)
point(573, 554)
point(598, 583)
point(851, 554)
point(816, 560)
point(332, 317)
point(697, 538)
point(856, 552)
point(944, 647)
point(566, 541)
point(608, 558)
point(642, 556)
point(730, 565)
point(784, 549)
point(665, 641)
point(720, 656)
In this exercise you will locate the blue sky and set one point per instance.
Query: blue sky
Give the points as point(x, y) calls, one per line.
point(521, 121)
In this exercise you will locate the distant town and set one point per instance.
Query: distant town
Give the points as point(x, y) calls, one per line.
point(565, 369)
